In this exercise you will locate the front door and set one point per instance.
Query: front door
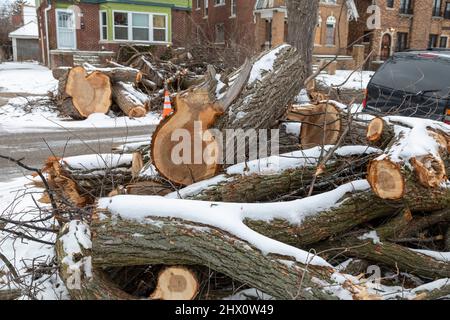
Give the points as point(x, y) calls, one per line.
point(66, 31)
point(385, 47)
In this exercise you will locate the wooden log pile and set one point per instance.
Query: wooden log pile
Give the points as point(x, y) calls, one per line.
point(133, 88)
point(356, 191)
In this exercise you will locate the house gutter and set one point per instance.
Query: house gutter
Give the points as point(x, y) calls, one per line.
point(49, 7)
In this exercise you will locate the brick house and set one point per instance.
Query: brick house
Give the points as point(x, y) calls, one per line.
point(405, 24)
point(259, 24)
point(94, 30)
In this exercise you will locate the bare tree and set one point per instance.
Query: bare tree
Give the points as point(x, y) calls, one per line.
point(302, 19)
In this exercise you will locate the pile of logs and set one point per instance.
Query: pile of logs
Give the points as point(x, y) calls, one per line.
point(355, 192)
point(133, 88)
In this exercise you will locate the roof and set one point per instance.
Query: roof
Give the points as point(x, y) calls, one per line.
point(30, 30)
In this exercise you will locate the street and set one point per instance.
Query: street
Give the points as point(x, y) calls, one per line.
point(34, 147)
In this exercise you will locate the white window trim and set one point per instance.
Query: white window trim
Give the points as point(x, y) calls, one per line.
point(232, 15)
point(206, 6)
point(130, 27)
point(220, 4)
point(101, 25)
point(57, 33)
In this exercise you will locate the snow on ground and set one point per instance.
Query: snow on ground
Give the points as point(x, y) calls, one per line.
point(32, 111)
point(26, 77)
point(17, 116)
point(16, 201)
point(357, 81)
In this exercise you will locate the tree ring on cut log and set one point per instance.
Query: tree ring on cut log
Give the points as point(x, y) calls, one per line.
point(90, 93)
point(430, 171)
point(386, 179)
point(176, 283)
point(375, 129)
point(176, 136)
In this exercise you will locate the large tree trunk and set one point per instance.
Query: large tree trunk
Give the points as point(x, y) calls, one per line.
point(257, 98)
point(302, 21)
point(172, 242)
point(82, 94)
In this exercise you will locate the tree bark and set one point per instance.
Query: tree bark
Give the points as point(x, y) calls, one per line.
point(132, 102)
point(302, 21)
point(174, 242)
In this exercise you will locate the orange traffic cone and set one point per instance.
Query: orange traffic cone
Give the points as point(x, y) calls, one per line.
point(167, 111)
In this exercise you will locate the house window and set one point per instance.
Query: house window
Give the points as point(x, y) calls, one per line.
point(197, 4)
point(220, 33)
point(318, 34)
point(233, 8)
point(443, 42)
point(406, 6)
point(66, 31)
point(159, 28)
point(219, 2)
point(390, 3)
point(139, 26)
point(103, 25)
point(436, 8)
point(331, 24)
point(433, 41)
point(402, 41)
point(206, 8)
point(367, 37)
point(447, 10)
point(120, 25)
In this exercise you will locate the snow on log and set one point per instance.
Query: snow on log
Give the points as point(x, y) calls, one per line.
point(416, 150)
point(117, 73)
point(266, 179)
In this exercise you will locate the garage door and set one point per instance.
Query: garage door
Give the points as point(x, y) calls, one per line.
point(28, 49)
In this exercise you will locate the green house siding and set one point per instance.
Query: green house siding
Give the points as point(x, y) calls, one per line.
point(111, 7)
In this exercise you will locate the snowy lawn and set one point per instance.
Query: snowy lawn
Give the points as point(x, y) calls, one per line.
point(19, 116)
point(27, 77)
point(357, 81)
point(32, 110)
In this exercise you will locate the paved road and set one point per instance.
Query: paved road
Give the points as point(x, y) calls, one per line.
point(36, 147)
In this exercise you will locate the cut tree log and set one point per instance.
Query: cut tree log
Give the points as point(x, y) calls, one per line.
point(264, 186)
point(211, 247)
point(322, 124)
point(117, 73)
point(191, 109)
point(379, 133)
point(386, 179)
point(403, 164)
point(176, 283)
point(90, 93)
point(389, 254)
point(132, 102)
point(251, 102)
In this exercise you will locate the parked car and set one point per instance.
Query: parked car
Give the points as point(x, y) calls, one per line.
point(413, 83)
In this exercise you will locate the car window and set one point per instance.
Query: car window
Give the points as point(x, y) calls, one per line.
point(415, 74)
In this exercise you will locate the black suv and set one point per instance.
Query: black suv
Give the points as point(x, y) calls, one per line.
point(413, 83)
